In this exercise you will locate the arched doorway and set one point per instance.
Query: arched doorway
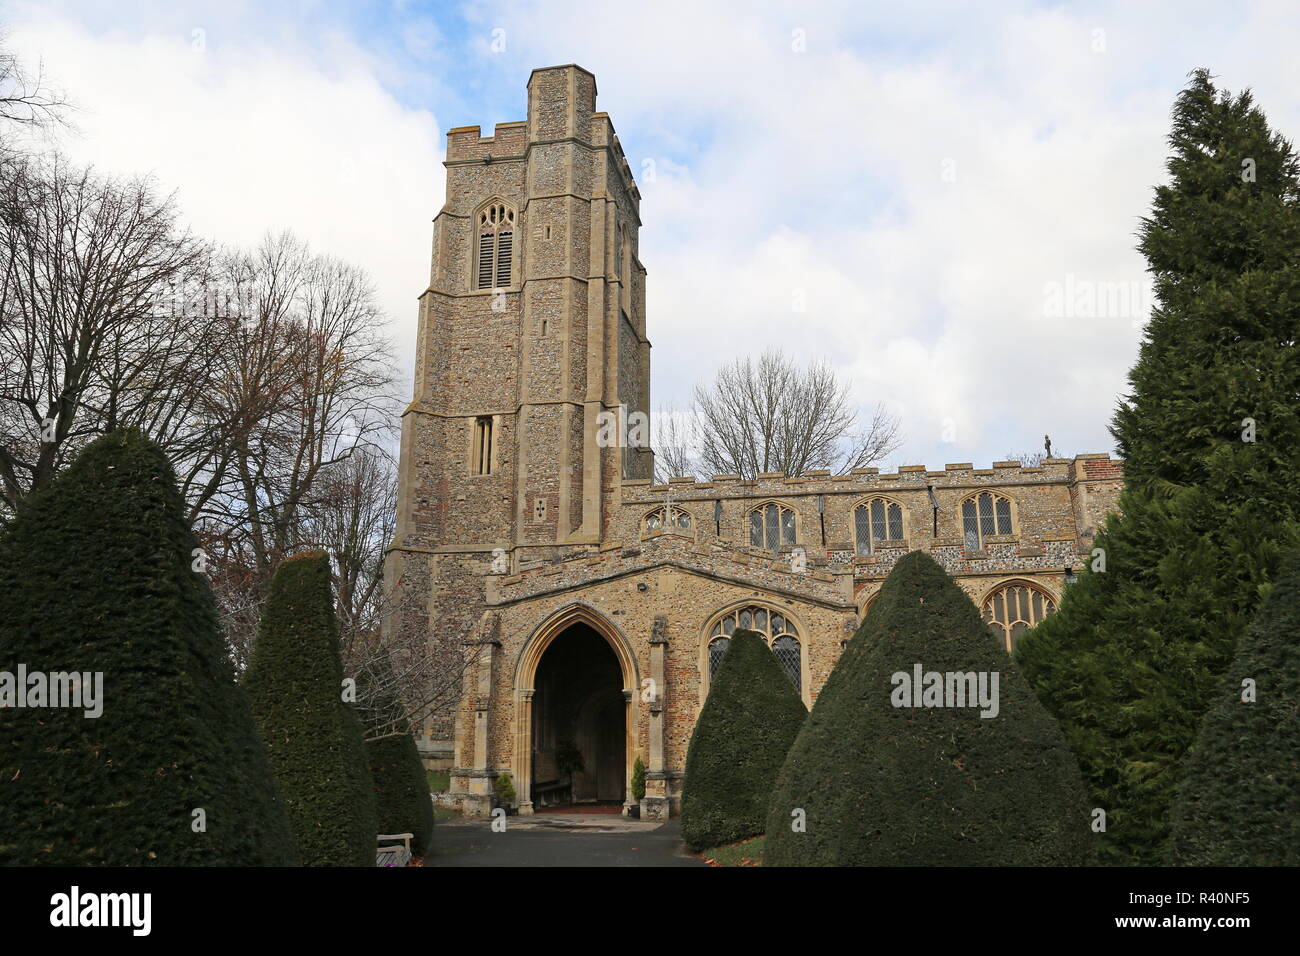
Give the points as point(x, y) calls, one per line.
point(578, 742)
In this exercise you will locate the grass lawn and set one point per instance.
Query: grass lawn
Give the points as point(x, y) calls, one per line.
point(745, 853)
point(440, 782)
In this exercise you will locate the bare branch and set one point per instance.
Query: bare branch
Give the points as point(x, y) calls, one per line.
point(771, 415)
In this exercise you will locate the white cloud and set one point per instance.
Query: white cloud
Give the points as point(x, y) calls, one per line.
point(822, 171)
point(255, 136)
point(775, 171)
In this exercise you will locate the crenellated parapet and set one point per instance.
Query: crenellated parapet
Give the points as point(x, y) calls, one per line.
point(466, 144)
point(865, 480)
point(1046, 515)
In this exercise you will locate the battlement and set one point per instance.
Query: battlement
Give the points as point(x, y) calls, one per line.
point(561, 106)
point(1090, 467)
point(467, 144)
point(603, 135)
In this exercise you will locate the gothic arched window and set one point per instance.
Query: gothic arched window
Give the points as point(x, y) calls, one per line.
point(786, 651)
point(1013, 609)
point(875, 521)
point(777, 630)
point(717, 649)
point(771, 526)
point(668, 518)
point(983, 515)
point(496, 237)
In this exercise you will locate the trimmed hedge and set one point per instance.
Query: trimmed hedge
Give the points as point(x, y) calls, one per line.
point(926, 786)
point(96, 576)
point(402, 796)
point(749, 720)
point(314, 739)
point(1239, 803)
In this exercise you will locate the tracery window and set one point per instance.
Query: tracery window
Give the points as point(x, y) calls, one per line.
point(717, 649)
point(875, 521)
point(786, 650)
point(1013, 609)
point(771, 526)
point(983, 515)
point(776, 629)
point(668, 518)
point(496, 236)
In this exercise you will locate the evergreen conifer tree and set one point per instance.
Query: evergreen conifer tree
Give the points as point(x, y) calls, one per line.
point(1239, 801)
point(98, 576)
point(749, 720)
point(879, 776)
point(313, 737)
point(1211, 440)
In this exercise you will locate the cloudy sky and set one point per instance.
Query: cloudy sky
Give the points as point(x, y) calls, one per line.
point(940, 199)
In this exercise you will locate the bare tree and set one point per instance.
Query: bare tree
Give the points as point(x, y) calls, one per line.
point(771, 415)
point(1032, 459)
point(409, 678)
point(404, 676)
point(88, 339)
point(299, 404)
point(305, 381)
point(352, 517)
point(27, 98)
point(674, 441)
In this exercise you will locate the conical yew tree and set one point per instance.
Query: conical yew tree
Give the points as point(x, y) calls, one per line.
point(100, 580)
point(402, 796)
point(401, 789)
point(1211, 440)
point(889, 771)
point(749, 720)
point(313, 737)
point(1239, 802)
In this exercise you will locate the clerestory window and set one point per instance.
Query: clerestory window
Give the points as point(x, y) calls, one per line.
point(983, 515)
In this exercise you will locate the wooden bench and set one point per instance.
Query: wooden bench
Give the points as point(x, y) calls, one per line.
point(394, 855)
point(550, 793)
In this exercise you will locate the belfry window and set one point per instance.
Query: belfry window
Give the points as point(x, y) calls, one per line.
point(875, 521)
point(985, 514)
point(496, 236)
point(771, 526)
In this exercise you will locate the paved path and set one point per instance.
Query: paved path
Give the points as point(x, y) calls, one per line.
point(560, 840)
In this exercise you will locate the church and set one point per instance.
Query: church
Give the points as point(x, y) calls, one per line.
point(592, 605)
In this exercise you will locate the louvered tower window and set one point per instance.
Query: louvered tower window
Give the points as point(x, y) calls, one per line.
point(496, 239)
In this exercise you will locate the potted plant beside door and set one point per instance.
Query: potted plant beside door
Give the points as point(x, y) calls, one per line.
point(638, 788)
point(504, 788)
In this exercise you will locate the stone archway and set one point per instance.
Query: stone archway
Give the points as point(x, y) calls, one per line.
point(574, 683)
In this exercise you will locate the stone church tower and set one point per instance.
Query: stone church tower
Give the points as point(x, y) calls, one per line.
point(533, 324)
point(582, 608)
